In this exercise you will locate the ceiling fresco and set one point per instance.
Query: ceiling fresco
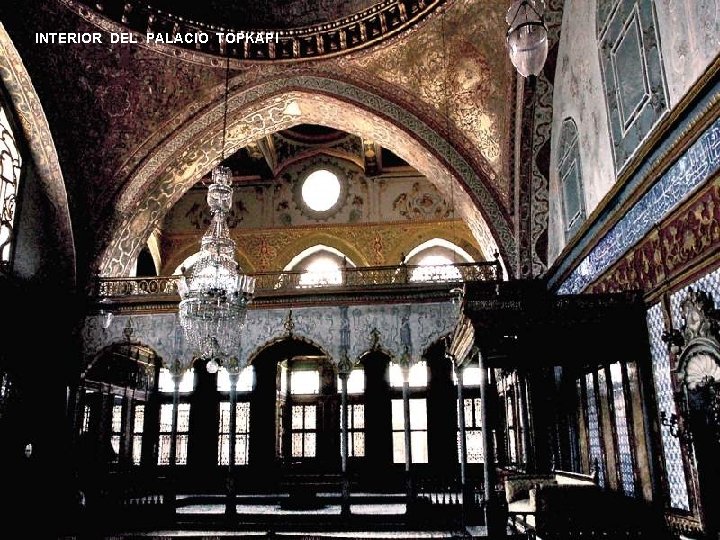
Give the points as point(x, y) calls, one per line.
point(262, 30)
point(117, 111)
point(453, 65)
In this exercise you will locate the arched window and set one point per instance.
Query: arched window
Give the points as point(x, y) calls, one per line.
point(570, 175)
point(166, 387)
point(320, 266)
point(244, 387)
point(435, 259)
point(418, 380)
point(10, 168)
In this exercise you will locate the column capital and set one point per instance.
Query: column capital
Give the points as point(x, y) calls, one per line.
point(233, 367)
point(345, 366)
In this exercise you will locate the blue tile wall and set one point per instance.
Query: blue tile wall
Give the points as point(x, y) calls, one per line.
point(709, 283)
point(700, 162)
point(596, 451)
point(627, 473)
point(672, 452)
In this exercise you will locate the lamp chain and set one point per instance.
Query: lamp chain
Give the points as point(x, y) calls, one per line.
point(225, 109)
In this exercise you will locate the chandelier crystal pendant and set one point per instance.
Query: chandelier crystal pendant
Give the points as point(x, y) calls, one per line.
point(214, 292)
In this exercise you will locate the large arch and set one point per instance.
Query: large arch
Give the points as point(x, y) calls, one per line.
point(191, 151)
point(36, 132)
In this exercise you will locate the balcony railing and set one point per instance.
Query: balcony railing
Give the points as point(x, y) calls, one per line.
point(348, 278)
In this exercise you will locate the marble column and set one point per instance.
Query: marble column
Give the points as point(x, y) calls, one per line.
point(463, 447)
point(234, 373)
point(344, 369)
point(495, 526)
point(405, 363)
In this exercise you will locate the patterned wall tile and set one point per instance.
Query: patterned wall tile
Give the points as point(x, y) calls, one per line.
point(699, 163)
point(710, 283)
point(672, 451)
point(596, 450)
point(627, 473)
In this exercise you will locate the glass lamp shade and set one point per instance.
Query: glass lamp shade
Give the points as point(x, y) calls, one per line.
point(527, 37)
point(212, 366)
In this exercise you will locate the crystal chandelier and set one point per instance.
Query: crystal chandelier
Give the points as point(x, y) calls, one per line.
point(214, 292)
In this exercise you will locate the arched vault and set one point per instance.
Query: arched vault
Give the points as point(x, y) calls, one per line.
point(191, 151)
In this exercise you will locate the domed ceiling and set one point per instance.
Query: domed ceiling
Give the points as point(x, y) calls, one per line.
point(280, 29)
point(264, 14)
point(135, 124)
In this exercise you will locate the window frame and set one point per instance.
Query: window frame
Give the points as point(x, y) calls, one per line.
point(23, 154)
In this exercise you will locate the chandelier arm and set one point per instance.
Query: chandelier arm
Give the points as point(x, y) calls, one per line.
point(225, 107)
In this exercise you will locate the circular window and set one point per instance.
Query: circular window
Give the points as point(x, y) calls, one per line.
point(321, 190)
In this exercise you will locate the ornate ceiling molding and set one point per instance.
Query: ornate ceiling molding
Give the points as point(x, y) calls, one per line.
point(255, 112)
point(36, 132)
point(357, 31)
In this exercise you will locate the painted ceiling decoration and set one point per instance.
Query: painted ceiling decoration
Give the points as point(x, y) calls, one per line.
point(138, 108)
point(297, 29)
point(192, 151)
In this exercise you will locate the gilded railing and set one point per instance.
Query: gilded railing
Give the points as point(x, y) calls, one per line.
point(362, 277)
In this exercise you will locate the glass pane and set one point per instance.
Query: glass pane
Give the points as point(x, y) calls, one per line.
point(571, 194)
point(297, 445)
point(435, 268)
point(183, 417)
point(468, 412)
point(358, 417)
point(309, 445)
point(511, 446)
point(164, 450)
point(474, 446)
point(115, 443)
point(356, 382)
point(241, 450)
point(117, 418)
point(86, 419)
point(396, 378)
point(418, 439)
point(242, 418)
point(245, 380)
point(9, 179)
point(478, 413)
point(223, 449)
point(136, 449)
point(310, 416)
point(224, 417)
point(417, 378)
point(139, 419)
point(297, 417)
point(181, 451)
point(471, 376)
point(283, 379)
point(166, 383)
point(398, 447)
point(358, 444)
point(418, 414)
point(419, 374)
point(305, 382)
point(398, 417)
point(166, 417)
